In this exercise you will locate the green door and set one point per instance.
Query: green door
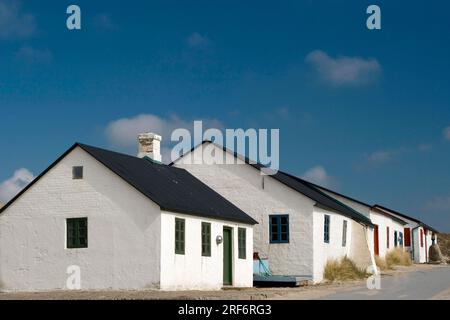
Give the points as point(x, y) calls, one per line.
point(227, 257)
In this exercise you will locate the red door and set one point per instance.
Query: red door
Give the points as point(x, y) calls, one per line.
point(407, 237)
point(426, 246)
point(375, 240)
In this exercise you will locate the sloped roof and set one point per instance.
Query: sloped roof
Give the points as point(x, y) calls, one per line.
point(393, 217)
point(305, 188)
point(320, 197)
point(173, 189)
point(420, 223)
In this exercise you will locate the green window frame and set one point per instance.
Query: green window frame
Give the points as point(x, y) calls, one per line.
point(206, 239)
point(326, 229)
point(77, 233)
point(242, 243)
point(180, 236)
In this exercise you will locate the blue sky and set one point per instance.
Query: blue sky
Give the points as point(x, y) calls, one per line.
point(365, 112)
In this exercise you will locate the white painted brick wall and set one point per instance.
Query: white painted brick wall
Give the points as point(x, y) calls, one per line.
point(123, 231)
point(242, 185)
point(192, 271)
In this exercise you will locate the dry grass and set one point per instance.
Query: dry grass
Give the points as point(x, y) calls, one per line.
point(343, 270)
point(382, 264)
point(444, 244)
point(398, 257)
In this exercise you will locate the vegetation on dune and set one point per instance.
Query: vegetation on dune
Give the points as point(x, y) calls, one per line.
point(444, 245)
point(396, 257)
point(382, 264)
point(343, 270)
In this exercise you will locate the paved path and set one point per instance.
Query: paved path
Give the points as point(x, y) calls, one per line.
point(417, 285)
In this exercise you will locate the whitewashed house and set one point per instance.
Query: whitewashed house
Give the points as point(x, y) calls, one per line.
point(300, 228)
point(127, 223)
point(417, 236)
point(387, 232)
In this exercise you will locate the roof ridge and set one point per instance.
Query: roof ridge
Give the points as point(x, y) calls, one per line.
point(258, 166)
point(326, 195)
point(185, 195)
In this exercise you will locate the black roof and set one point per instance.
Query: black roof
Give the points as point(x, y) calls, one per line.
point(342, 195)
point(393, 217)
point(320, 197)
point(305, 188)
point(173, 189)
point(420, 223)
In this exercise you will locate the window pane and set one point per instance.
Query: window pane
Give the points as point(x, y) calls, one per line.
point(326, 231)
point(279, 229)
point(274, 219)
point(77, 233)
point(179, 236)
point(206, 239)
point(242, 243)
point(77, 172)
point(344, 233)
point(274, 236)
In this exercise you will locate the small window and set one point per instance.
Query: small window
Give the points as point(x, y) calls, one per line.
point(395, 239)
point(179, 236)
point(279, 228)
point(387, 237)
point(242, 242)
point(77, 233)
point(400, 239)
point(344, 233)
point(77, 173)
point(326, 229)
point(206, 239)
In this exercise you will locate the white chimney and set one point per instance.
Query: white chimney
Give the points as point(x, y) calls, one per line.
point(150, 146)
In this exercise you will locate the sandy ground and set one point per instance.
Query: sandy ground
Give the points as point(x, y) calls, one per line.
point(311, 292)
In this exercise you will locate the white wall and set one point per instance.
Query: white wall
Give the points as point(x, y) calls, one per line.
point(416, 249)
point(192, 271)
point(421, 253)
point(362, 247)
point(123, 232)
point(243, 186)
point(323, 252)
point(383, 222)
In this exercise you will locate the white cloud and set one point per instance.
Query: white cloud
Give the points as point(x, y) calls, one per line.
point(15, 24)
point(123, 132)
point(343, 70)
point(447, 133)
point(197, 40)
point(439, 203)
point(380, 157)
point(12, 186)
point(319, 175)
point(32, 55)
